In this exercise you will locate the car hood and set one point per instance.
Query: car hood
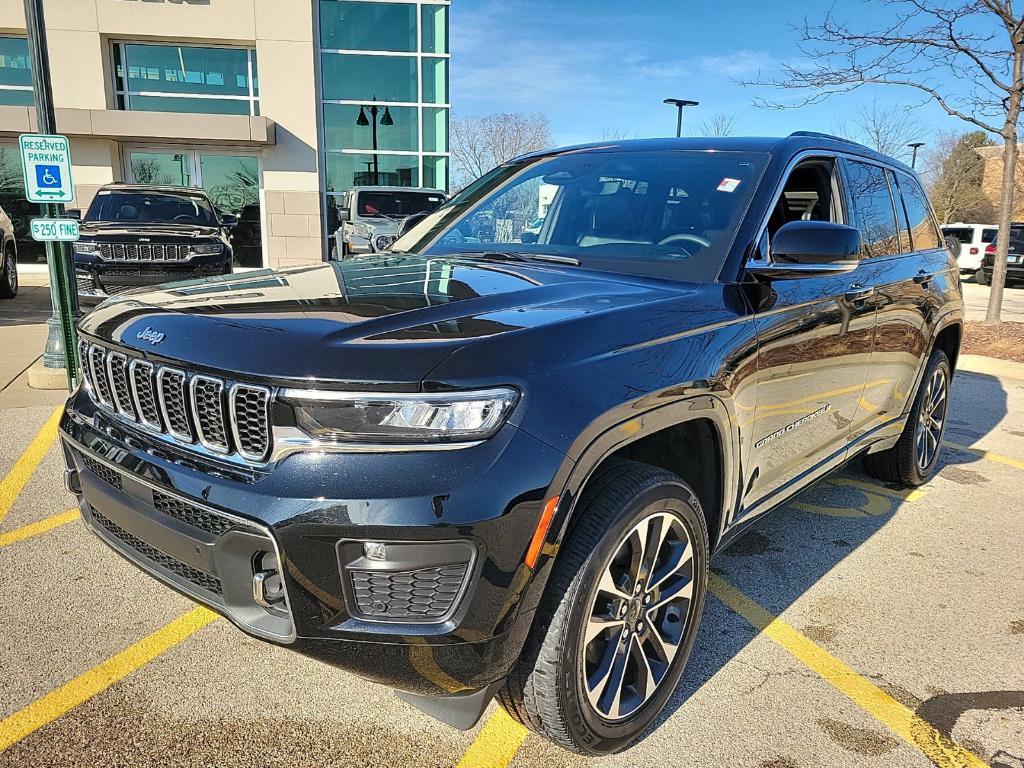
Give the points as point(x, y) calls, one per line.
point(117, 231)
point(372, 321)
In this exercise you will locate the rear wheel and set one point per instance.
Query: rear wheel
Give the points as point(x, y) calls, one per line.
point(914, 459)
point(621, 610)
point(8, 274)
point(982, 277)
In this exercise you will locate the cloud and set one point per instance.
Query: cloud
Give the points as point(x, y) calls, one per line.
point(743, 64)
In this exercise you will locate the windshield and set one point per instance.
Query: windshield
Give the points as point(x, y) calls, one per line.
point(151, 207)
point(666, 214)
point(398, 203)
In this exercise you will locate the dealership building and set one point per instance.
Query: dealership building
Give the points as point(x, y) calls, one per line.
point(266, 104)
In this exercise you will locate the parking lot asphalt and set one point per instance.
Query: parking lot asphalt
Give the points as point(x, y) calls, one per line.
point(859, 625)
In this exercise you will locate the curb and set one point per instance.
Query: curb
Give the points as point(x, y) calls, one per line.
point(41, 377)
point(993, 366)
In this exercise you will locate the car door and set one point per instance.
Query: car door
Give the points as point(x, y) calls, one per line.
point(814, 345)
point(903, 259)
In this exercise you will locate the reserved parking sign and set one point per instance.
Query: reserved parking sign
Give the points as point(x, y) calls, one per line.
point(47, 164)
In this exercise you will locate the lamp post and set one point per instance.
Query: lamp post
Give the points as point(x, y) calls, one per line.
point(679, 104)
point(914, 145)
point(363, 121)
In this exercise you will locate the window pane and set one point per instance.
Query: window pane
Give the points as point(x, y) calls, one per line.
point(341, 130)
point(185, 69)
point(435, 173)
point(15, 68)
point(233, 183)
point(255, 75)
point(345, 171)
point(383, 78)
point(173, 168)
point(367, 26)
point(922, 225)
point(9, 98)
point(901, 214)
point(435, 29)
point(14, 204)
point(435, 81)
point(435, 129)
point(178, 104)
point(873, 207)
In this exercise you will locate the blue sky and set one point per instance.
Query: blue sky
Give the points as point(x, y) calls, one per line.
point(597, 67)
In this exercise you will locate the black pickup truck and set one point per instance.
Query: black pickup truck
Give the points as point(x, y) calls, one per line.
point(134, 236)
point(499, 467)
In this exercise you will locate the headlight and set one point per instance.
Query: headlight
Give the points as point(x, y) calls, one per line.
point(206, 250)
point(344, 417)
point(86, 249)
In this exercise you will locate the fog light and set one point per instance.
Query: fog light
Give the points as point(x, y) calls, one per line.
point(375, 550)
point(267, 584)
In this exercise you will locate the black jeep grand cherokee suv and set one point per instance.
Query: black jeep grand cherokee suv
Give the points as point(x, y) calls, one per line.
point(469, 469)
point(136, 236)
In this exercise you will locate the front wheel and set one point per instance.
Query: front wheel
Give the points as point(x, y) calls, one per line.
point(914, 459)
point(8, 274)
point(620, 614)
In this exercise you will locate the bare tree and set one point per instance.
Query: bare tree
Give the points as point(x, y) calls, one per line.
point(617, 134)
point(966, 56)
point(882, 128)
point(719, 124)
point(480, 143)
point(953, 171)
point(148, 171)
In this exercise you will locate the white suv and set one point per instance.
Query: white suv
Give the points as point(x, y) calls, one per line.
point(972, 239)
point(371, 216)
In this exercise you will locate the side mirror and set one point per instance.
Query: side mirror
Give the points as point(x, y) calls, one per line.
point(228, 220)
point(809, 248)
point(344, 214)
point(411, 221)
point(528, 237)
point(73, 213)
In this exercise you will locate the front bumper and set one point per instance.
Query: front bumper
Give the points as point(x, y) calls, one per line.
point(307, 509)
point(98, 279)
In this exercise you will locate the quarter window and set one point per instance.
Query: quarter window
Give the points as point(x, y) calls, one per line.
point(922, 226)
point(873, 209)
point(186, 78)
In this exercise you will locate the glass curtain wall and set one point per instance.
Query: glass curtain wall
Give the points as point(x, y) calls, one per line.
point(384, 85)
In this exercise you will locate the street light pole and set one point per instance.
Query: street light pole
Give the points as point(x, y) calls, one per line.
point(60, 347)
point(362, 120)
point(914, 145)
point(679, 104)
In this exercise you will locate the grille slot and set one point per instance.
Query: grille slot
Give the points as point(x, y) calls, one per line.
point(144, 393)
point(143, 252)
point(98, 369)
point(83, 361)
point(171, 392)
point(154, 555)
point(117, 372)
point(426, 593)
point(250, 420)
point(103, 472)
point(208, 412)
point(202, 519)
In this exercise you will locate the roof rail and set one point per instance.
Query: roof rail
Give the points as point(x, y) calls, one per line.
point(819, 135)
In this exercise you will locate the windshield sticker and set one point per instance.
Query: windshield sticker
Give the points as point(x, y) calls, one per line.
point(728, 185)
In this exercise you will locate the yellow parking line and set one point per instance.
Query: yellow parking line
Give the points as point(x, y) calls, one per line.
point(42, 526)
point(62, 700)
point(942, 751)
point(26, 464)
point(983, 454)
point(496, 744)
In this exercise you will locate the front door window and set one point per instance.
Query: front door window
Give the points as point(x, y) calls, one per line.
point(231, 181)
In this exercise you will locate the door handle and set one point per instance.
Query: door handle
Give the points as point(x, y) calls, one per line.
point(923, 277)
point(858, 292)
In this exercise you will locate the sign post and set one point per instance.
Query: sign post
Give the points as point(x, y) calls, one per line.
point(46, 158)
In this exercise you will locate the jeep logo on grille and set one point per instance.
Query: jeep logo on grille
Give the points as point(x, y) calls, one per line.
point(153, 337)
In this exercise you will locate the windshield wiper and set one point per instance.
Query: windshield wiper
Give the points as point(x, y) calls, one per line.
point(511, 256)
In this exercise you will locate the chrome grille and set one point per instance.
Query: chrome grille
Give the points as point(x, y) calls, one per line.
point(189, 408)
point(170, 390)
point(117, 374)
point(249, 417)
point(208, 412)
point(143, 252)
point(83, 361)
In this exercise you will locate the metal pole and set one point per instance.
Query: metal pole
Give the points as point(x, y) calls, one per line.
point(376, 159)
point(60, 351)
point(915, 145)
point(679, 121)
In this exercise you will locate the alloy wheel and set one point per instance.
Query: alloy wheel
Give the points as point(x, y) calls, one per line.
point(931, 419)
point(11, 272)
point(638, 616)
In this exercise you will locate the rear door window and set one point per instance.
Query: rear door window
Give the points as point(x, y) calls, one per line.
point(922, 226)
point(873, 209)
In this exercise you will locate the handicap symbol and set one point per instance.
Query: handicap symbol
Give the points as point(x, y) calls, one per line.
point(48, 176)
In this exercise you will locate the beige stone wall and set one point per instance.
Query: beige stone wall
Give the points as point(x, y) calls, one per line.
point(992, 179)
point(80, 33)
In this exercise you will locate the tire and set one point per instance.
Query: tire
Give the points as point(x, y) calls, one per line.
point(8, 274)
point(903, 464)
point(981, 277)
point(547, 690)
